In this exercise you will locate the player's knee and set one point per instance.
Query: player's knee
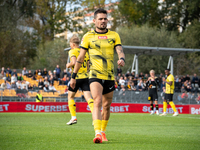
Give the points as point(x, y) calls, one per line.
point(106, 106)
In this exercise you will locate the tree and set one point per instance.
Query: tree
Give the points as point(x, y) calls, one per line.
point(16, 47)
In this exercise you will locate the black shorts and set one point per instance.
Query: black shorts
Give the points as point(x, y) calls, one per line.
point(153, 96)
point(108, 85)
point(81, 83)
point(169, 97)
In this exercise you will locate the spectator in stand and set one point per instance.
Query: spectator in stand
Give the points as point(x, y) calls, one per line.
point(116, 85)
point(64, 73)
point(20, 78)
point(46, 81)
point(135, 79)
point(39, 76)
point(183, 96)
point(8, 85)
point(141, 75)
point(51, 80)
point(69, 73)
point(178, 86)
point(183, 89)
point(189, 87)
point(118, 76)
point(8, 76)
point(24, 71)
point(46, 88)
point(184, 78)
point(40, 71)
point(122, 90)
point(14, 72)
point(146, 77)
point(160, 78)
point(2, 75)
point(195, 79)
point(20, 92)
point(36, 72)
point(127, 74)
point(44, 72)
point(126, 81)
point(33, 77)
point(14, 78)
point(63, 80)
point(121, 81)
point(13, 85)
point(133, 74)
point(55, 78)
point(188, 77)
point(49, 74)
point(35, 88)
point(176, 79)
point(52, 88)
point(190, 95)
point(162, 84)
point(140, 86)
point(3, 85)
point(3, 69)
point(29, 74)
point(129, 85)
point(40, 84)
point(30, 88)
point(198, 98)
point(18, 84)
point(133, 87)
point(119, 70)
point(58, 71)
point(24, 84)
point(8, 70)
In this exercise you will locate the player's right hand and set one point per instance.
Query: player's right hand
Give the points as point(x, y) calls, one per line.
point(73, 83)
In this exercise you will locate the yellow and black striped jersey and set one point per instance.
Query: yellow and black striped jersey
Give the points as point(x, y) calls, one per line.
point(170, 88)
point(101, 52)
point(82, 73)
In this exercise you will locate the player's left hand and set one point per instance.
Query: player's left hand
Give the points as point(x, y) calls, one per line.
point(121, 63)
point(72, 83)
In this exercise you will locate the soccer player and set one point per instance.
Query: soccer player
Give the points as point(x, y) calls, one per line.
point(81, 78)
point(152, 84)
point(100, 43)
point(169, 86)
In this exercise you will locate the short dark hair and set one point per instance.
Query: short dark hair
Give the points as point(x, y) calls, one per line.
point(98, 11)
point(167, 69)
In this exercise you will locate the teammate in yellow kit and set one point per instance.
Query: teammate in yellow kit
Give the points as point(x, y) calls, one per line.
point(82, 79)
point(169, 94)
point(100, 43)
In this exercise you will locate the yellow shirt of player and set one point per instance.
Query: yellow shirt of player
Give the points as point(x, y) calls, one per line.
point(101, 52)
point(170, 88)
point(82, 73)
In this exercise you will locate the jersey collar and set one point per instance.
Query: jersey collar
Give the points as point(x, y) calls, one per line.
point(101, 32)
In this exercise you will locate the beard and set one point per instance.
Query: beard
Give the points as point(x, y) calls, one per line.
point(102, 28)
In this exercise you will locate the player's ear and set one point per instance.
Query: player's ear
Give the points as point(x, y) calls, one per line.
point(94, 20)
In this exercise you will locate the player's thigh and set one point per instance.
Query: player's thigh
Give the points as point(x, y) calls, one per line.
point(87, 95)
point(96, 90)
point(71, 95)
point(107, 99)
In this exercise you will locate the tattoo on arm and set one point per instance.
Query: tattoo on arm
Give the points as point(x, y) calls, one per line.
point(119, 49)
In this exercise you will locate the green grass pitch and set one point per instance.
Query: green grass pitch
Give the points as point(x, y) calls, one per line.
point(124, 131)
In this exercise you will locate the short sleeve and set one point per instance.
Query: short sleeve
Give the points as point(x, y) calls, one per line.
point(117, 40)
point(85, 42)
point(71, 54)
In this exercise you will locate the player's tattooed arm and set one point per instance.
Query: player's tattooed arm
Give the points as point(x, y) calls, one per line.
point(121, 56)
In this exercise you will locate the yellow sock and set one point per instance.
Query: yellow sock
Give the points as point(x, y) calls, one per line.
point(72, 107)
point(173, 106)
point(164, 107)
point(104, 125)
point(91, 104)
point(97, 126)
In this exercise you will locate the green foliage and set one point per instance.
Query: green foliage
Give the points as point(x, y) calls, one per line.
point(148, 36)
point(52, 55)
point(124, 131)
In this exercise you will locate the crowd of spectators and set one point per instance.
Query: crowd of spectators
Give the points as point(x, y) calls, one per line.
point(45, 79)
point(130, 81)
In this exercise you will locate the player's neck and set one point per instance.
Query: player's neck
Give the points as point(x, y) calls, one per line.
point(101, 31)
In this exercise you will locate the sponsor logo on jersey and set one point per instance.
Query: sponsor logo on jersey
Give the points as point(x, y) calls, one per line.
point(102, 37)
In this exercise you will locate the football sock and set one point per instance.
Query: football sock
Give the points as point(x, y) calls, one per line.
point(72, 108)
point(104, 125)
point(151, 106)
point(91, 104)
point(97, 126)
point(173, 106)
point(157, 107)
point(164, 107)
